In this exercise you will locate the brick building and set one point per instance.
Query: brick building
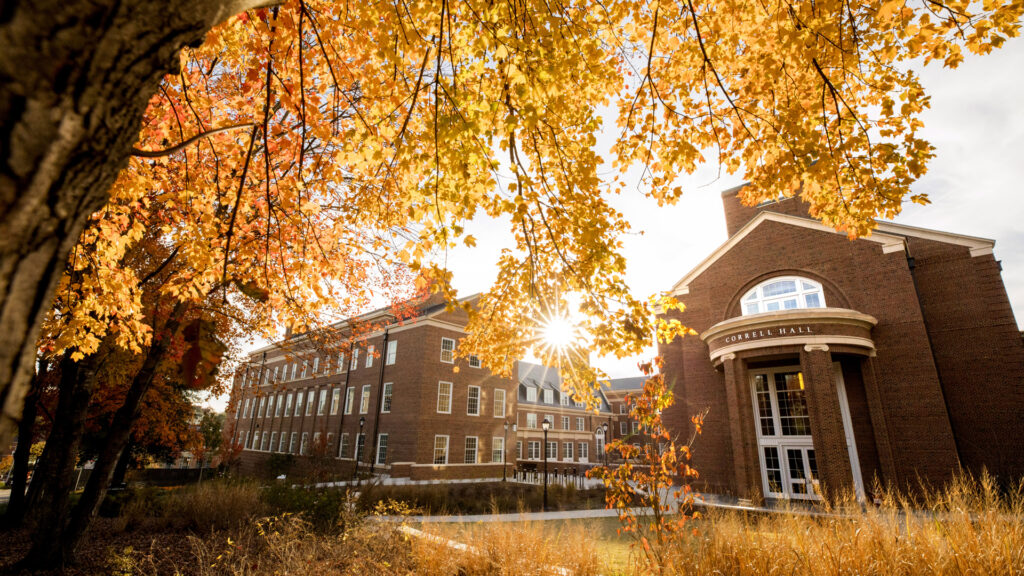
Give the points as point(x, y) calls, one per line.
point(827, 363)
point(394, 402)
point(577, 435)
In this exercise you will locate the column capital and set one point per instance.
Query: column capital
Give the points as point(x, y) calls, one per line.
point(816, 348)
point(727, 357)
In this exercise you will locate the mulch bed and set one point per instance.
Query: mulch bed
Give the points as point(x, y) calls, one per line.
point(98, 553)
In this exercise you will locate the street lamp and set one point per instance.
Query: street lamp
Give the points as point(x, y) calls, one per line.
point(546, 424)
point(604, 445)
point(358, 454)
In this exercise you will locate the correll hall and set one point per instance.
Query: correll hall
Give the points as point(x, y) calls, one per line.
point(826, 363)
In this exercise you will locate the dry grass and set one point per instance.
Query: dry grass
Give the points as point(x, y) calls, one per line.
point(969, 528)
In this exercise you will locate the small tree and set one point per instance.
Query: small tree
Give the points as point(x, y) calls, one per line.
point(651, 488)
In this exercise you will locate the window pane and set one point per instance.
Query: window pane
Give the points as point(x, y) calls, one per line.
point(771, 306)
point(789, 304)
point(812, 300)
point(778, 288)
point(808, 286)
point(792, 405)
point(750, 308)
point(773, 468)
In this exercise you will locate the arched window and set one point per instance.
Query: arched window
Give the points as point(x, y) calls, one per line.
point(785, 293)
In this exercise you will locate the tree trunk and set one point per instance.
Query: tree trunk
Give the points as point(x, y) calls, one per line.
point(75, 80)
point(26, 430)
point(58, 548)
point(48, 500)
point(122, 466)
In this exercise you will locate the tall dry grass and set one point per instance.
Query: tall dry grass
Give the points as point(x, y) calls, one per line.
point(970, 527)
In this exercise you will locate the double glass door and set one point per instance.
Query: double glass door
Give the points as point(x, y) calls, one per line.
point(789, 468)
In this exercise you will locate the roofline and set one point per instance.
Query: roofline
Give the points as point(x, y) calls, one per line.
point(889, 242)
point(734, 190)
point(977, 245)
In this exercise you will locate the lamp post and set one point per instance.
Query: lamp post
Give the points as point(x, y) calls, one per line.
point(358, 455)
point(604, 445)
point(546, 424)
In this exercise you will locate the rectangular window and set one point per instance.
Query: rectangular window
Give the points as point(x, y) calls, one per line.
point(355, 359)
point(623, 428)
point(636, 427)
point(578, 404)
point(335, 400)
point(266, 376)
point(474, 361)
point(298, 403)
point(275, 373)
point(263, 406)
point(549, 396)
point(316, 364)
point(473, 401)
point(263, 442)
point(519, 450)
point(497, 449)
point(304, 447)
point(341, 362)
point(550, 419)
point(392, 352)
point(284, 442)
point(531, 420)
point(471, 449)
point(273, 441)
point(245, 375)
point(369, 356)
point(499, 403)
point(385, 405)
point(343, 449)
point(279, 405)
point(364, 400)
point(622, 408)
point(382, 448)
point(317, 447)
point(584, 448)
point(533, 450)
point(245, 440)
point(321, 408)
point(270, 406)
point(327, 364)
point(330, 441)
point(288, 404)
point(552, 453)
point(295, 369)
point(440, 449)
point(580, 425)
point(531, 394)
point(565, 422)
point(291, 444)
point(350, 397)
point(444, 397)
point(305, 367)
point(309, 402)
point(563, 398)
point(567, 451)
point(255, 441)
point(360, 446)
point(245, 409)
point(447, 350)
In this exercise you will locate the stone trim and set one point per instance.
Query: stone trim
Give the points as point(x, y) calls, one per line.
point(816, 315)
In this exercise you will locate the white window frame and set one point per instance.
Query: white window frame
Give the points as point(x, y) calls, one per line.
point(360, 447)
point(531, 420)
point(350, 398)
point(278, 405)
point(474, 361)
point(321, 407)
point(310, 397)
point(335, 401)
point(581, 424)
point(385, 404)
point(341, 362)
point(343, 445)
point(498, 449)
point(623, 428)
point(316, 364)
point(273, 441)
point(355, 359)
point(392, 353)
point(369, 356)
point(443, 459)
point(364, 399)
point(447, 407)
point(382, 448)
point(469, 401)
point(567, 451)
point(298, 403)
point(448, 350)
point(552, 450)
point(533, 450)
point(291, 443)
point(475, 440)
point(304, 446)
point(288, 405)
point(549, 396)
point(499, 403)
point(284, 442)
point(565, 423)
point(584, 452)
point(755, 296)
point(531, 394)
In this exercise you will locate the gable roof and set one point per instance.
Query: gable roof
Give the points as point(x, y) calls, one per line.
point(890, 235)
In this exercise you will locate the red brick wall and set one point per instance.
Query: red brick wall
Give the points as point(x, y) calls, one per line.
point(736, 214)
point(855, 275)
point(978, 352)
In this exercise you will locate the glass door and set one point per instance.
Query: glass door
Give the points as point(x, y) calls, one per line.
point(785, 446)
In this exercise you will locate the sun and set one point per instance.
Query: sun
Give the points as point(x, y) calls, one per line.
point(558, 332)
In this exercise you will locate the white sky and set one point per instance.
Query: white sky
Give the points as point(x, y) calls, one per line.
point(976, 123)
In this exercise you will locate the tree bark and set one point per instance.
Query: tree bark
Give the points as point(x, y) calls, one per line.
point(57, 548)
point(75, 80)
point(26, 431)
point(48, 499)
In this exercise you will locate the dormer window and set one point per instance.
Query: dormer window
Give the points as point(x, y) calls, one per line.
point(786, 293)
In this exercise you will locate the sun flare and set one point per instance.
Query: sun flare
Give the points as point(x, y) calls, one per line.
point(558, 332)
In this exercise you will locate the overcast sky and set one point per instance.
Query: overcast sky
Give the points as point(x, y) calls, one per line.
point(976, 123)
